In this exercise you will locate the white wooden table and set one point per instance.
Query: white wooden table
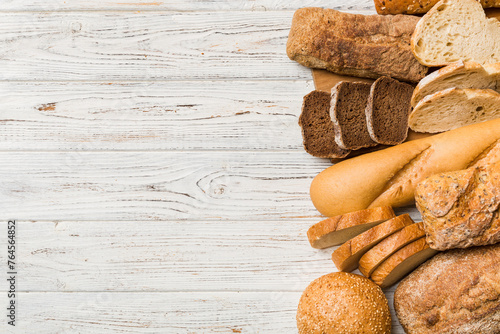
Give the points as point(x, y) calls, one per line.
point(151, 157)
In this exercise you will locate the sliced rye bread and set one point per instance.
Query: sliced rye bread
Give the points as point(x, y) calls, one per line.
point(317, 127)
point(380, 252)
point(402, 262)
point(337, 230)
point(347, 112)
point(346, 257)
point(387, 111)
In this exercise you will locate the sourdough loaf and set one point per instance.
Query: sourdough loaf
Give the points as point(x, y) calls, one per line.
point(452, 108)
point(461, 209)
point(455, 292)
point(388, 177)
point(456, 30)
point(417, 6)
point(317, 127)
point(352, 44)
point(347, 112)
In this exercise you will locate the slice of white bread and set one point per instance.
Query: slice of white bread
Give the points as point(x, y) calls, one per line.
point(456, 30)
point(337, 230)
point(381, 251)
point(453, 108)
point(346, 257)
point(458, 75)
point(402, 262)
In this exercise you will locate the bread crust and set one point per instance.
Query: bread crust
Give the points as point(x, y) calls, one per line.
point(388, 177)
point(416, 6)
point(352, 44)
point(455, 292)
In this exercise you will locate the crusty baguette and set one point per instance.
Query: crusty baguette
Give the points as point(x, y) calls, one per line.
point(388, 177)
point(456, 30)
point(402, 262)
point(416, 6)
point(346, 257)
point(452, 108)
point(458, 75)
point(455, 292)
point(368, 46)
point(381, 251)
point(336, 230)
point(461, 209)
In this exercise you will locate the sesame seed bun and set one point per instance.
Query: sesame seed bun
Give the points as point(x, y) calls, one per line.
point(342, 302)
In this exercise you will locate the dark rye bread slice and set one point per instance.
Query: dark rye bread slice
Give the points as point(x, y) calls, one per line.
point(317, 127)
point(388, 110)
point(347, 112)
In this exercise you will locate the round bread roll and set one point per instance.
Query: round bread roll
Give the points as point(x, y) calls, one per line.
point(342, 303)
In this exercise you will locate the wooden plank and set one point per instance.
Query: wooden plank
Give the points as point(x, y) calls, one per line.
point(146, 46)
point(186, 5)
point(187, 115)
point(199, 312)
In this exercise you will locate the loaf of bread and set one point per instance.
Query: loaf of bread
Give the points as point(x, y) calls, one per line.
point(458, 75)
point(456, 30)
point(461, 209)
point(455, 292)
point(343, 303)
point(368, 46)
point(452, 108)
point(417, 6)
point(388, 177)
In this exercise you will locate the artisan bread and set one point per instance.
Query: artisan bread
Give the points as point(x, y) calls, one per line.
point(387, 111)
point(317, 127)
point(416, 6)
point(461, 209)
point(385, 248)
point(347, 112)
point(336, 230)
point(458, 75)
point(402, 262)
point(352, 44)
point(456, 30)
point(343, 303)
point(455, 292)
point(452, 108)
point(346, 257)
point(388, 177)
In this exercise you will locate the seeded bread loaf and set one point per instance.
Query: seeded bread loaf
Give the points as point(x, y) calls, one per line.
point(387, 111)
point(317, 127)
point(352, 44)
point(455, 292)
point(416, 6)
point(461, 209)
point(347, 112)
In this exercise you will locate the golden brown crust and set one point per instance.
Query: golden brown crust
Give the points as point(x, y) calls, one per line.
point(352, 44)
point(389, 176)
point(342, 303)
point(381, 251)
point(416, 6)
point(461, 209)
point(320, 232)
point(346, 257)
point(455, 292)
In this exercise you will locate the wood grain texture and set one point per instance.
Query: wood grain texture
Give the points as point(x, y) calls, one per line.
point(187, 5)
point(206, 115)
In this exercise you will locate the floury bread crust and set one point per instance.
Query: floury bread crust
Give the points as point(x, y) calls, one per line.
point(455, 292)
point(416, 6)
point(368, 46)
point(388, 177)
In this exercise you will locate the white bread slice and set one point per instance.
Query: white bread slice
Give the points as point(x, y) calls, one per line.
point(458, 75)
point(337, 230)
point(456, 30)
point(381, 251)
point(346, 257)
point(402, 262)
point(453, 108)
